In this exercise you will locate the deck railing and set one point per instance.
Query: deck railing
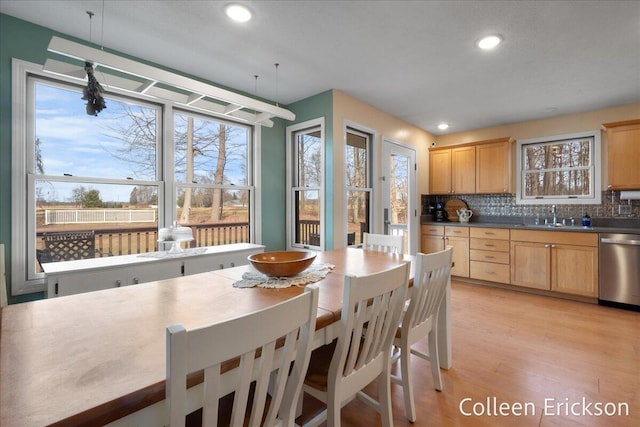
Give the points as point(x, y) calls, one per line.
point(136, 240)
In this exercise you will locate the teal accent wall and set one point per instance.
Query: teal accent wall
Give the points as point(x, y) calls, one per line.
point(27, 41)
point(321, 105)
point(274, 191)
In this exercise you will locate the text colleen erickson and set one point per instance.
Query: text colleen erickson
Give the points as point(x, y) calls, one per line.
point(492, 407)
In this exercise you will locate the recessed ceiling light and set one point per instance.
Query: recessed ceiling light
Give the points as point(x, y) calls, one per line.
point(238, 12)
point(489, 42)
point(443, 126)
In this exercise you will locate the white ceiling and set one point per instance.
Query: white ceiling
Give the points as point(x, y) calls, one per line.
point(416, 60)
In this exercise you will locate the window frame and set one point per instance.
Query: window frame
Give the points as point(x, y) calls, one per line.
point(370, 138)
point(291, 182)
point(594, 168)
point(23, 180)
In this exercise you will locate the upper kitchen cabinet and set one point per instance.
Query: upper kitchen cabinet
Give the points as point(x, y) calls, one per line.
point(623, 152)
point(452, 170)
point(479, 167)
point(494, 166)
point(440, 171)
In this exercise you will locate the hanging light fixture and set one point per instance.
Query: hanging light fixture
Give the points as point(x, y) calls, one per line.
point(136, 77)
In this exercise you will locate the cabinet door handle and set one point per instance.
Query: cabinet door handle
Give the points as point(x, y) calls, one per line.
point(553, 246)
point(233, 264)
point(221, 266)
point(489, 257)
point(118, 283)
point(547, 246)
point(489, 245)
point(135, 281)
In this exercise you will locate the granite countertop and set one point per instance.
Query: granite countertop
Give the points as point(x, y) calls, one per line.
point(600, 225)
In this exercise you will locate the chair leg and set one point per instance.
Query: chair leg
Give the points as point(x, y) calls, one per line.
point(434, 359)
point(333, 412)
point(384, 396)
point(407, 383)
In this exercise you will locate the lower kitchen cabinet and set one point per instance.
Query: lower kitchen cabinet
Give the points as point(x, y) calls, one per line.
point(565, 262)
point(576, 270)
point(435, 238)
point(489, 254)
point(74, 277)
point(458, 239)
point(531, 265)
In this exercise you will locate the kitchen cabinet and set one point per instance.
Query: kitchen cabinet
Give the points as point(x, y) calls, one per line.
point(435, 238)
point(494, 166)
point(479, 167)
point(73, 277)
point(440, 172)
point(623, 152)
point(431, 238)
point(565, 262)
point(458, 239)
point(489, 254)
point(463, 170)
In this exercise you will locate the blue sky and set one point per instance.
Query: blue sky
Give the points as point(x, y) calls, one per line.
point(73, 142)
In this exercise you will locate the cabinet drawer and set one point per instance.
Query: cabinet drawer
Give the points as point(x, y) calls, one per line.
point(490, 245)
point(489, 271)
point(434, 230)
point(489, 233)
point(456, 231)
point(489, 256)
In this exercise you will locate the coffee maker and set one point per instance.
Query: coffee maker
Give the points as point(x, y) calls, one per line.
point(440, 215)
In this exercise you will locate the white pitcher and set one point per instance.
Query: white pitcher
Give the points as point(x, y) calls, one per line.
point(464, 214)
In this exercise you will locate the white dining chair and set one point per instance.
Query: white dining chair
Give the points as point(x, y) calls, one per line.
point(432, 274)
point(272, 347)
point(371, 310)
point(383, 243)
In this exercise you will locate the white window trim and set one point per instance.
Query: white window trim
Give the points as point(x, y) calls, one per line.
point(319, 122)
point(372, 135)
point(21, 215)
point(596, 172)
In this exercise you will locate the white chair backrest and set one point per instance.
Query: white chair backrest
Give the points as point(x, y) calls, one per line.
point(292, 322)
point(371, 311)
point(383, 243)
point(429, 286)
point(3, 280)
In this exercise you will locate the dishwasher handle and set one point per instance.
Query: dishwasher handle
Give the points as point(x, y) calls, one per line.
point(629, 242)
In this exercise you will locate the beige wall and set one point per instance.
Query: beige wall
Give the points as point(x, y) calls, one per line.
point(385, 126)
point(560, 125)
point(571, 123)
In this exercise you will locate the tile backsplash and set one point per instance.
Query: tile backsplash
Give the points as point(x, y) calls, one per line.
point(505, 205)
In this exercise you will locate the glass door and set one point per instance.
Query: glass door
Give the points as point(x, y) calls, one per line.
point(399, 208)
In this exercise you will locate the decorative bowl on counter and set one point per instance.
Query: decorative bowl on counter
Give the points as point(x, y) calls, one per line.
point(282, 263)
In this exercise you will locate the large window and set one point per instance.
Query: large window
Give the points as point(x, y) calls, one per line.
point(87, 186)
point(305, 201)
point(560, 169)
point(357, 185)
point(212, 176)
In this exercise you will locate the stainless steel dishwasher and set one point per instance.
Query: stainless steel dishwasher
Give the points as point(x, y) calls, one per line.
point(619, 268)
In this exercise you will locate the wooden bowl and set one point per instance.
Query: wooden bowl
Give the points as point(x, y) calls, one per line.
point(282, 263)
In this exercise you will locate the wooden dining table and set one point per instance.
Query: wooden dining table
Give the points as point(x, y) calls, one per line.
point(96, 357)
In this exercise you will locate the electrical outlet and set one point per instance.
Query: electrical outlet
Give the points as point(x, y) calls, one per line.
point(624, 209)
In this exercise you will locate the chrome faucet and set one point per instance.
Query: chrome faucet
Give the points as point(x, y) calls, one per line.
point(554, 211)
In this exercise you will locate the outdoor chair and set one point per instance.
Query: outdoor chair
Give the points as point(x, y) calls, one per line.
point(67, 246)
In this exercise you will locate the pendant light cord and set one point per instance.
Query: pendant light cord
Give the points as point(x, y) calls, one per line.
point(277, 65)
point(102, 29)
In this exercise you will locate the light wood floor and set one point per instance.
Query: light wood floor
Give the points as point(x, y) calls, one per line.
point(517, 347)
